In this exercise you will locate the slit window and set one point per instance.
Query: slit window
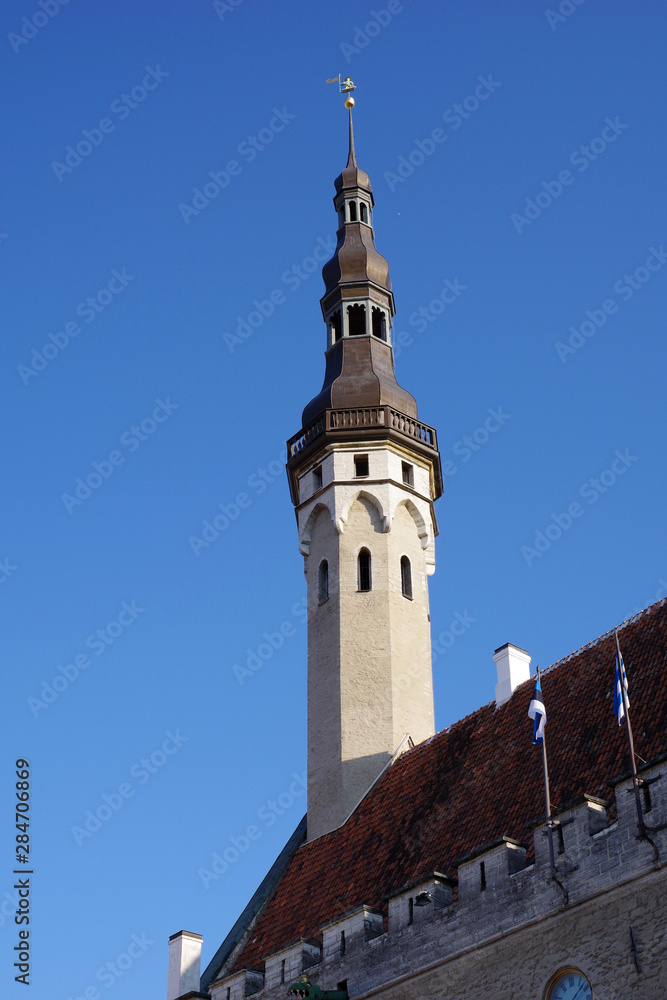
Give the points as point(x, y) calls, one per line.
point(379, 329)
point(561, 839)
point(356, 320)
point(364, 570)
point(317, 478)
point(482, 876)
point(342, 942)
point(411, 910)
point(336, 326)
point(323, 582)
point(282, 971)
point(364, 212)
point(406, 577)
point(646, 792)
point(361, 465)
point(408, 473)
point(229, 992)
point(353, 211)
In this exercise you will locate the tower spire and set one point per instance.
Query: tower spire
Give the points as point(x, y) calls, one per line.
point(364, 473)
point(351, 157)
point(358, 302)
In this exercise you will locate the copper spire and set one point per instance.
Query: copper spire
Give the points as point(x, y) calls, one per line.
point(352, 176)
point(358, 304)
point(351, 156)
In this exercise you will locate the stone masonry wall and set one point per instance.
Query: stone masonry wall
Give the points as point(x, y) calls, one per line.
point(509, 940)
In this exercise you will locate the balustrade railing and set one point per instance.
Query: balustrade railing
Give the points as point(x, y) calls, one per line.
point(332, 421)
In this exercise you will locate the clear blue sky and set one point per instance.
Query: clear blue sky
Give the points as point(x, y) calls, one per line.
point(568, 127)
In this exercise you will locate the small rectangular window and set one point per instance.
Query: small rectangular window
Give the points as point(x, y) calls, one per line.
point(646, 791)
point(561, 839)
point(408, 474)
point(317, 478)
point(342, 942)
point(282, 971)
point(411, 910)
point(482, 876)
point(361, 465)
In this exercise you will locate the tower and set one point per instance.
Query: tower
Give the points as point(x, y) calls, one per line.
point(364, 474)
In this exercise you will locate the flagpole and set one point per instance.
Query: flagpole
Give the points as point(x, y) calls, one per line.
point(547, 798)
point(626, 710)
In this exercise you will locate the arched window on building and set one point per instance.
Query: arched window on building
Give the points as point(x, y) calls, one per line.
point(353, 211)
point(323, 582)
point(364, 570)
point(336, 326)
point(356, 320)
point(406, 577)
point(364, 214)
point(379, 329)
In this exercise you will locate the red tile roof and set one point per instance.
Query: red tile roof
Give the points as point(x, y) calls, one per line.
point(474, 782)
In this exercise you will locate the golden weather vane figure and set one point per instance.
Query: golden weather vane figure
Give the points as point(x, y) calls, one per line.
point(345, 87)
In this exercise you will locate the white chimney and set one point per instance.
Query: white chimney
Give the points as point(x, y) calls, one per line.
point(184, 963)
point(513, 666)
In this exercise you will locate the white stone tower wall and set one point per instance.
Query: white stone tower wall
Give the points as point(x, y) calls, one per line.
point(369, 653)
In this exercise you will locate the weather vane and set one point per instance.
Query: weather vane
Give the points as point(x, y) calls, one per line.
point(345, 87)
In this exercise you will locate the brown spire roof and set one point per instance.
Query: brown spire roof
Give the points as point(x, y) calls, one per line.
point(476, 781)
point(360, 369)
point(352, 176)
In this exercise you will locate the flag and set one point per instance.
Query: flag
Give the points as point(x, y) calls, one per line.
point(336, 79)
point(619, 708)
point(538, 712)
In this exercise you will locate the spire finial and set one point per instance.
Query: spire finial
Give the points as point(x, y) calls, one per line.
point(346, 87)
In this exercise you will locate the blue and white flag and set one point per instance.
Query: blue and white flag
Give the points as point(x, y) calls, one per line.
point(619, 708)
point(538, 712)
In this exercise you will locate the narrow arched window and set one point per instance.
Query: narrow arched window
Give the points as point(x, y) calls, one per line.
point(336, 326)
point(323, 582)
point(378, 323)
point(406, 577)
point(364, 570)
point(353, 211)
point(356, 320)
point(362, 208)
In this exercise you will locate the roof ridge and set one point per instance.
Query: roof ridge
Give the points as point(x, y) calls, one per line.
point(605, 635)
